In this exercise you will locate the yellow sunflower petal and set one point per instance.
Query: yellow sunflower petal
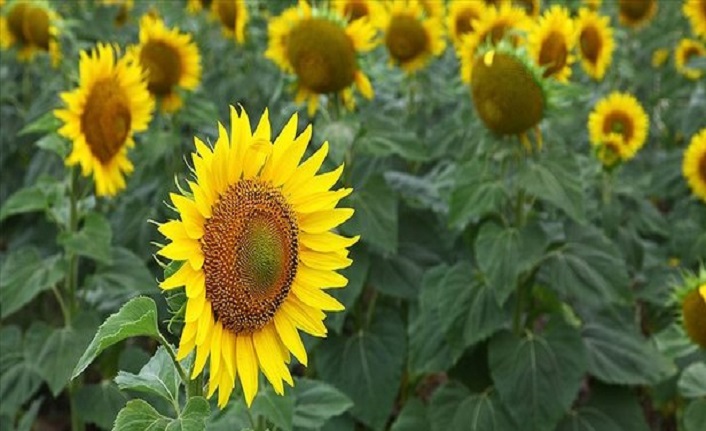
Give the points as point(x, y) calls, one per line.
point(323, 279)
point(247, 366)
point(316, 297)
point(265, 343)
point(322, 221)
point(324, 261)
point(304, 317)
point(290, 337)
point(326, 241)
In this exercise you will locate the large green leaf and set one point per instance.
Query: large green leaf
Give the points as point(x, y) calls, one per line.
point(587, 269)
point(137, 317)
point(138, 415)
point(375, 218)
point(397, 276)
point(100, 403)
point(504, 253)
point(413, 417)
point(367, 366)
point(695, 415)
point(316, 402)
point(37, 197)
point(618, 353)
point(476, 193)
point(692, 383)
point(588, 419)
point(92, 240)
point(538, 374)
point(455, 408)
point(620, 404)
point(276, 409)
point(159, 376)
point(63, 348)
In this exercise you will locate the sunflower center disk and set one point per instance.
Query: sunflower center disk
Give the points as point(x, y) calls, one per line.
point(322, 55)
point(618, 122)
point(163, 67)
point(250, 246)
point(227, 13)
point(15, 21)
point(406, 38)
point(635, 10)
point(590, 42)
point(36, 27)
point(553, 54)
point(702, 167)
point(506, 95)
point(106, 120)
point(694, 312)
point(355, 9)
point(464, 22)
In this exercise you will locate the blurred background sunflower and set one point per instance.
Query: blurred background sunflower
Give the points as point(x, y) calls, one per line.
point(621, 114)
point(689, 50)
point(694, 165)
point(551, 42)
point(352, 10)
point(695, 11)
point(595, 42)
point(233, 16)
point(33, 27)
point(690, 297)
point(460, 17)
point(636, 13)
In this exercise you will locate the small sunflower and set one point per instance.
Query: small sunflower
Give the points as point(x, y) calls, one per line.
point(258, 253)
point(621, 114)
point(33, 27)
point(690, 296)
point(492, 26)
point(695, 10)
point(687, 50)
point(171, 60)
point(411, 37)
point(595, 42)
point(636, 13)
point(101, 115)
point(352, 10)
point(659, 57)
point(531, 7)
point(551, 42)
point(123, 10)
point(322, 51)
point(694, 166)
point(508, 91)
point(233, 15)
point(459, 21)
point(196, 6)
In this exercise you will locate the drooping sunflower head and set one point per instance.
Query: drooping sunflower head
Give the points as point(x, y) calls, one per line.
point(636, 13)
point(34, 27)
point(595, 42)
point(412, 37)
point(110, 104)
point(531, 7)
point(321, 49)
point(171, 60)
point(494, 25)
point(621, 114)
point(551, 41)
point(690, 296)
point(695, 10)
point(233, 16)
point(694, 165)
point(353, 10)
point(508, 91)
point(257, 251)
point(459, 21)
point(686, 51)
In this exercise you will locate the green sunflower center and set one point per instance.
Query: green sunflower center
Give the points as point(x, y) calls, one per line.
point(506, 95)
point(227, 13)
point(591, 43)
point(635, 10)
point(15, 21)
point(464, 22)
point(553, 53)
point(163, 67)
point(322, 54)
point(619, 122)
point(355, 9)
point(36, 27)
point(250, 247)
point(406, 38)
point(106, 120)
point(694, 313)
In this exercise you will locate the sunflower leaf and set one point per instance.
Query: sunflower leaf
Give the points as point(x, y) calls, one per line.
point(138, 415)
point(692, 383)
point(454, 408)
point(376, 215)
point(38, 197)
point(100, 403)
point(413, 417)
point(695, 415)
point(92, 240)
point(316, 402)
point(159, 376)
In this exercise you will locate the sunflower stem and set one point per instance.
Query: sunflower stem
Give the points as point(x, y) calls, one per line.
point(607, 187)
point(72, 275)
point(172, 354)
point(76, 422)
point(194, 387)
point(62, 305)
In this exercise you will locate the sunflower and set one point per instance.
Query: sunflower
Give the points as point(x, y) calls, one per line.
point(608, 150)
point(492, 26)
point(123, 10)
point(33, 27)
point(432, 8)
point(507, 91)
point(321, 50)
point(531, 7)
point(411, 37)
point(687, 50)
point(233, 15)
point(101, 115)
point(694, 166)
point(690, 297)
point(619, 113)
point(352, 10)
point(659, 57)
point(695, 10)
point(196, 6)
point(255, 237)
point(636, 13)
point(171, 60)
point(593, 4)
point(459, 21)
point(551, 42)
point(595, 42)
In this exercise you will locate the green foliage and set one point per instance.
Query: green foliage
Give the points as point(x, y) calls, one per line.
point(140, 415)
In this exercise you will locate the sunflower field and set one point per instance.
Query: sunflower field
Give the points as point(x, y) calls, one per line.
point(349, 215)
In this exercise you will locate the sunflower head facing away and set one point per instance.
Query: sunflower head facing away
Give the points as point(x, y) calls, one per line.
point(494, 25)
point(233, 16)
point(101, 115)
point(551, 42)
point(618, 114)
point(595, 42)
point(412, 37)
point(507, 91)
point(690, 296)
point(255, 240)
point(171, 60)
point(321, 49)
point(33, 27)
point(695, 10)
point(636, 13)
point(687, 50)
point(459, 21)
point(694, 165)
